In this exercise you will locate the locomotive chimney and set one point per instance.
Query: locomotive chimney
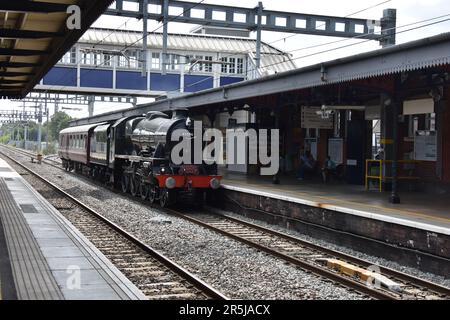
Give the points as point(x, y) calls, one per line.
point(180, 113)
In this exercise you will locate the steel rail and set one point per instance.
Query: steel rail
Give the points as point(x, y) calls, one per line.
point(346, 281)
point(364, 263)
point(182, 272)
point(323, 272)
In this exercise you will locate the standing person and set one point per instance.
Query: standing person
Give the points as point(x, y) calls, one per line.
point(329, 167)
point(307, 164)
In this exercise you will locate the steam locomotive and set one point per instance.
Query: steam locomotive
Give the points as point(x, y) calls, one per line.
point(134, 154)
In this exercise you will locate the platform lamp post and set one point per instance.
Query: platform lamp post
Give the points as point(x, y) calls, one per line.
point(25, 126)
point(47, 114)
point(39, 138)
point(259, 10)
point(165, 12)
point(276, 177)
point(145, 59)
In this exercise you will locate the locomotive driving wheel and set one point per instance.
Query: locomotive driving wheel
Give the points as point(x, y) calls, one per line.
point(135, 186)
point(145, 191)
point(167, 198)
point(125, 182)
point(153, 194)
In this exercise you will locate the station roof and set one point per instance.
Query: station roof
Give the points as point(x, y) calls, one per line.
point(34, 36)
point(411, 56)
point(270, 55)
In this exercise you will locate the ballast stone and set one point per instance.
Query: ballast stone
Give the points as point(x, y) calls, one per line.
point(160, 220)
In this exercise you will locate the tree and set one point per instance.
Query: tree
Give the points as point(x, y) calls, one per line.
point(59, 121)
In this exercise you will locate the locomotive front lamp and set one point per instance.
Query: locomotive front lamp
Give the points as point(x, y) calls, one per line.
point(170, 183)
point(214, 183)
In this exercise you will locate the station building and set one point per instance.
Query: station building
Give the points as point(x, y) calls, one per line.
point(393, 101)
point(365, 111)
point(106, 61)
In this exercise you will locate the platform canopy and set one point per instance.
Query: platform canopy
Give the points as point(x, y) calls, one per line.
point(427, 53)
point(34, 35)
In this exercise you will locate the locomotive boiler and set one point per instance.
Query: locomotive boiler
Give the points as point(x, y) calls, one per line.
point(134, 154)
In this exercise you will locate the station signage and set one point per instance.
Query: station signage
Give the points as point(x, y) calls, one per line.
point(425, 146)
point(373, 112)
point(310, 119)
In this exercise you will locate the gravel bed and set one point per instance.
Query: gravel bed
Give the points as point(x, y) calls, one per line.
point(236, 270)
point(375, 260)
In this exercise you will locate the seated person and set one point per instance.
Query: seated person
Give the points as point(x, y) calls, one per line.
point(329, 168)
point(307, 164)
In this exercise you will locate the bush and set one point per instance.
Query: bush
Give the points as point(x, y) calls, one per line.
point(50, 149)
point(5, 139)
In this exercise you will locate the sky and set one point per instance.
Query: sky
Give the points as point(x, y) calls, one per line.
point(408, 11)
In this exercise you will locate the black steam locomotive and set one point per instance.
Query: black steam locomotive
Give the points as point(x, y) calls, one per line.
point(134, 154)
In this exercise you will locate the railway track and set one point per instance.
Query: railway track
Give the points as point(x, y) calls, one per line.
point(356, 274)
point(155, 275)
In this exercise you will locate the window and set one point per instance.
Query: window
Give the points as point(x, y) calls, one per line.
point(199, 65)
point(86, 57)
point(96, 58)
point(107, 60)
point(140, 58)
point(156, 60)
point(208, 66)
point(224, 65)
point(133, 59)
point(232, 65)
point(173, 62)
point(240, 66)
point(73, 55)
point(123, 63)
point(69, 57)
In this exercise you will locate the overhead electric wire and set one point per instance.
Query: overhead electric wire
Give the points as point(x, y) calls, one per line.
point(347, 16)
point(365, 34)
point(295, 50)
point(269, 43)
point(171, 20)
point(131, 44)
point(353, 44)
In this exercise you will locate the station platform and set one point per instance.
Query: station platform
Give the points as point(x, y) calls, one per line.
point(418, 210)
point(414, 233)
point(43, 257)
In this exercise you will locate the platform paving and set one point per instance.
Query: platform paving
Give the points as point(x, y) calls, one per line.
point(49, 258)
point(419, 210)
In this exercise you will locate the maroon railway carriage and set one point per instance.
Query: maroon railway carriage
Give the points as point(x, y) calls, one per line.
point(134, 154)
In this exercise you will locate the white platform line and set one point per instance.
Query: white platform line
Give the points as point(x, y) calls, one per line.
point(365, 214)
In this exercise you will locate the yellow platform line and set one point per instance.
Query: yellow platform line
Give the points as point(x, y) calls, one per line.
point(401, 211)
